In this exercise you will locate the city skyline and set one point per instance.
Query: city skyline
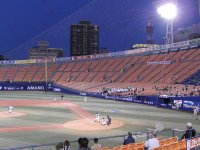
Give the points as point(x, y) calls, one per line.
point(123, 22)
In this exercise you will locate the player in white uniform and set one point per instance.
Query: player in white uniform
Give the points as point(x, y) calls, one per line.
point(104, 122)
point(97, 119)
point(195, 110)
point(85, 99)
point(10, 109)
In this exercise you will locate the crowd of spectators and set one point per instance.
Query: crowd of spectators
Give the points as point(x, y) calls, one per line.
point(119, 91)
point(83, 144)
point(179, 90)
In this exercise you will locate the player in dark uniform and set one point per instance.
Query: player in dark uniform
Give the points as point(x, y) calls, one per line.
point(62, 96)
point(109, 120)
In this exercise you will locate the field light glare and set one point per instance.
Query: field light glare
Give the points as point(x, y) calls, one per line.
point(168, 11)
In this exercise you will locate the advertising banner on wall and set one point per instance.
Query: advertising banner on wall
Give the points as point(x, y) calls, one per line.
point(7, 62)
point(100, 55)
point(25, 86)
point(193, 143)
point(62, 59)
point(29, 61)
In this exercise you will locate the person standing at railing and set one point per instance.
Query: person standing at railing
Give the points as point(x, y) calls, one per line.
point(190, 132)
point(129, 139)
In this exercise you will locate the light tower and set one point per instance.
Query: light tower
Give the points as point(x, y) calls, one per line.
point(167, 10)
point(149, 30)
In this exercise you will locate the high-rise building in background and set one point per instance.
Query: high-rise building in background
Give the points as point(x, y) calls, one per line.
point(42, 50)
point(84, 39)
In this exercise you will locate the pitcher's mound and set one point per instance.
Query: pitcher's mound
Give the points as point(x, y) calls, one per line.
point(13, 114)
point(89, 125)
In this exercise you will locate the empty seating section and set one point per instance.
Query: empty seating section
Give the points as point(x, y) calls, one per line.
point(132, 146)
point(145, 75)
point(40, 74)
point(105, 70)
point(135, 69)
point(19, 76)
point(30, 73)
point(3, 71)
point(115, 64)
point(11, 73)
point(189, 66)
point(167, 72)
point(64, 77)
point(156, 71)
point(171, 144)
point(100, 65)
point(77, 66)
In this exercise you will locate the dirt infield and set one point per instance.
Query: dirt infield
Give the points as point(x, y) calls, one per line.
point(88, 125)
point(85, 123)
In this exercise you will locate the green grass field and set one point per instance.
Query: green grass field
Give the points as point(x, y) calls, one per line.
point(135, 117)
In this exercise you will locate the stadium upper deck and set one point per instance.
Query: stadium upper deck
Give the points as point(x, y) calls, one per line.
point(141, 69)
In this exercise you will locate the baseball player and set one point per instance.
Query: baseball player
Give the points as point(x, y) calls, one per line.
point(195, 110)
point(97, 119)
point(104, 122)
point(85, 99)
point(10, 109)
point(109, 120)
point(62, 96)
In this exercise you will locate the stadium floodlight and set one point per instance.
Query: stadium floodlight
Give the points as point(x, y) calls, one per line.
point(169, 12)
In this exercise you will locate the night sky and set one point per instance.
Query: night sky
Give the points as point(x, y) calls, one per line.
point(122, 22)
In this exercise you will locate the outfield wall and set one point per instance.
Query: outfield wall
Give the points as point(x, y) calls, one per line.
point(185, 103)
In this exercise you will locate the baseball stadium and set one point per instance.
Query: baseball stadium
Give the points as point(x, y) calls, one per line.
point(149, 89)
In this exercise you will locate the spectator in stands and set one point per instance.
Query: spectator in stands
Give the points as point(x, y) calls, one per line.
point(129, 139)
point(96, 146)
point(152, 142)
point(59, 146)
point(190, 132)
point(79, 142)
point(66, 145)
point(84, 144)
point(63, 146)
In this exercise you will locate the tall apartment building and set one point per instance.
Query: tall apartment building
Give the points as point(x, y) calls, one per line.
point(84, 39)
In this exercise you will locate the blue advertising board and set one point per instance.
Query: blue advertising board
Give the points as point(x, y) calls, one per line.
point(186, 103)
point(25, 86)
